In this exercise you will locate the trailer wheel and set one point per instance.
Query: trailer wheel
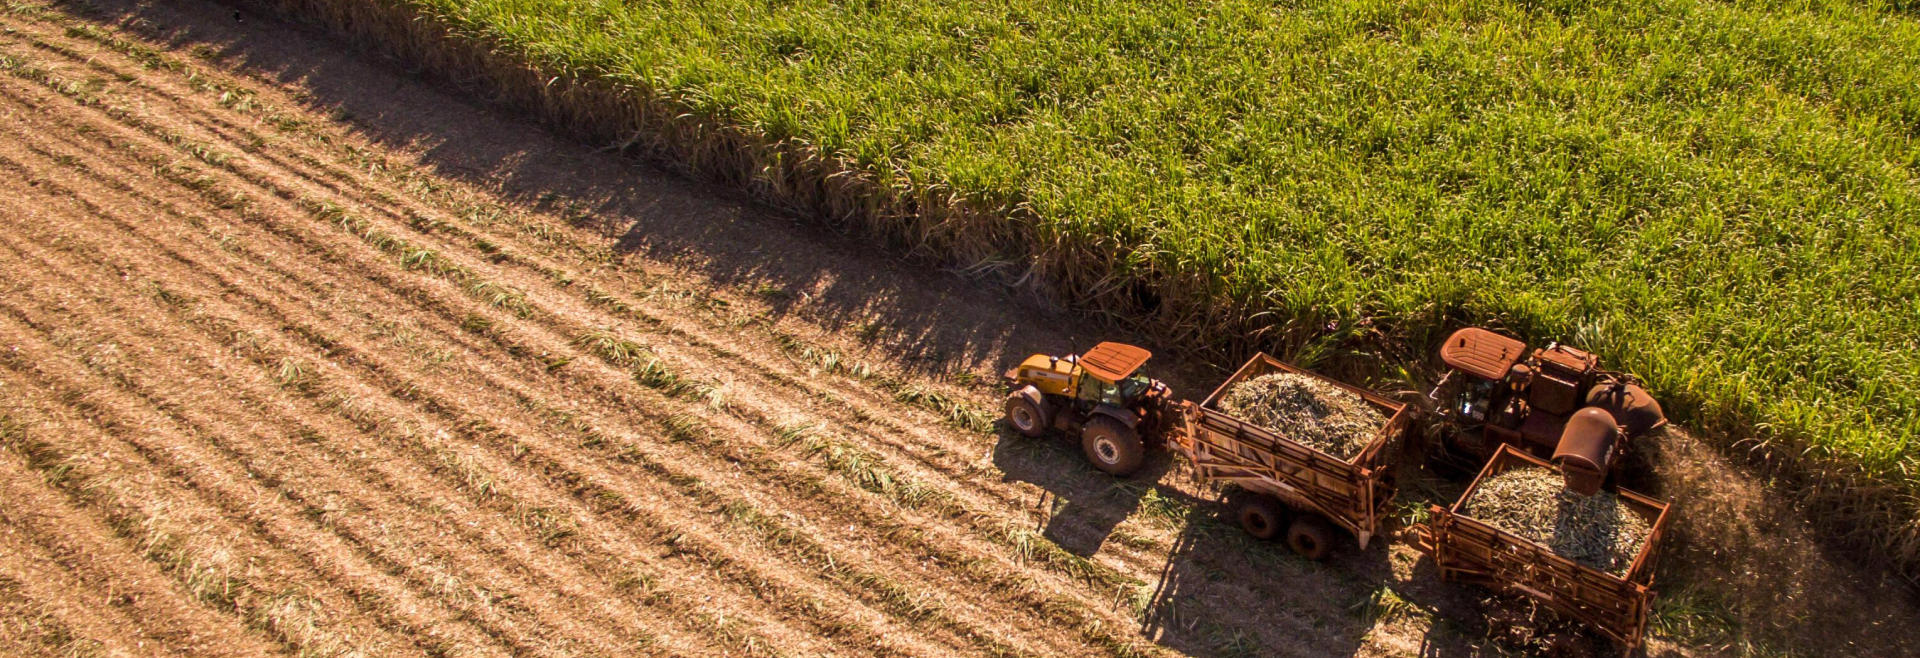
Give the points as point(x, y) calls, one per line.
point(1112, 446)
point(1311, 537)
point(1262, 516)
point(1027, 418)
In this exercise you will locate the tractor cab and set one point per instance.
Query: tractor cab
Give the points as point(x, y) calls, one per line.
point(1554, 403)
point(1104, 375)
point(1097, 396)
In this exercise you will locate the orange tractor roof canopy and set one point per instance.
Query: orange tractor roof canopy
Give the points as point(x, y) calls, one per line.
point(1481, 353)
point(1112, 362)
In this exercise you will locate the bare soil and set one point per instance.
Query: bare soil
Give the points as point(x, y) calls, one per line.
point(300, 354)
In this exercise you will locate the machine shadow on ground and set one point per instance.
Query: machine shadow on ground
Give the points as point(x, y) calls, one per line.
point(1216, 591)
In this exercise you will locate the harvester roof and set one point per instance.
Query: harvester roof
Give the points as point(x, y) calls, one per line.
point(1112, 362)
point(1481, 353)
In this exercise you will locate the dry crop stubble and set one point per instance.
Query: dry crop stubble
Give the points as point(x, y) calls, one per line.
point(312, 351)
point(118, 376)
point(275, 361)
point(1139, 162)
point(127, 509)
point(833, 501)
point(86, 593)
point(206, 417)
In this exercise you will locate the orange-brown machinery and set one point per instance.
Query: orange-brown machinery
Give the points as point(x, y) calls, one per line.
point(1293, 491)
point(1554, 403)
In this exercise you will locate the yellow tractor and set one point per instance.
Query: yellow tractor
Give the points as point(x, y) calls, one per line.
point(1096, 398)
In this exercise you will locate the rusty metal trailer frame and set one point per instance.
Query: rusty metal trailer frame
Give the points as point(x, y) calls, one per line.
point(1354, 494)
point(1472, 551)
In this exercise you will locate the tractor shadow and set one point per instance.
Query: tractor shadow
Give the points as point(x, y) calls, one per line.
point(1217, 591)
point(1079, 507)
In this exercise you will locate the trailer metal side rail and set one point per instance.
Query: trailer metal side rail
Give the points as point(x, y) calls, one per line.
point(1226, 448)
point(1352, 493)
point(1470, 550)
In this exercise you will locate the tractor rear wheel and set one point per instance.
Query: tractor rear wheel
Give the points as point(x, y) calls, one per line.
point(1311, 537)
point(1112, 446)
point(1026, 417)
point(1262, 516)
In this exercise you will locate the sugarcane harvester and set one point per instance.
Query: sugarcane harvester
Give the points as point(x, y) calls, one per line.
point(1555, 403)
point(1509, 407)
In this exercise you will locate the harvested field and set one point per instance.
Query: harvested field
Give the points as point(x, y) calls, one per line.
point(269, 387)
point(1534, 503)
point(1308, 410)
point(302, 356)
point(1337, 178)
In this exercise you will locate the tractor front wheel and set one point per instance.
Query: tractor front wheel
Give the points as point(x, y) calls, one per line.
point(1026, 417)
point(1112, 446)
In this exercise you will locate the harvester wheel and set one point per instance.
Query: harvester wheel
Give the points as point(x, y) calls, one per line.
point(1112, 446)
point(1311, 537)
point(1263, 517)
point(1027, 418)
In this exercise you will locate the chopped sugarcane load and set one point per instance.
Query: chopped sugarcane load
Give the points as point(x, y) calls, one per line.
point(1308, 410)
point(1596, 531)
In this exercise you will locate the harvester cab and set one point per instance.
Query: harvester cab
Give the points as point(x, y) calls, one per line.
point(1098, 398)
point(1554, 403)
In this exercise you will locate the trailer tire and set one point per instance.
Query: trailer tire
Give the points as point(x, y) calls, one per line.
point(1027, 417)
point(1311, 536)
point(1262, 516)
point(1112, 446)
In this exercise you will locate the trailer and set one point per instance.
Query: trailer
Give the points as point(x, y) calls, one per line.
point(1468, 550)
point(1292, 488)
